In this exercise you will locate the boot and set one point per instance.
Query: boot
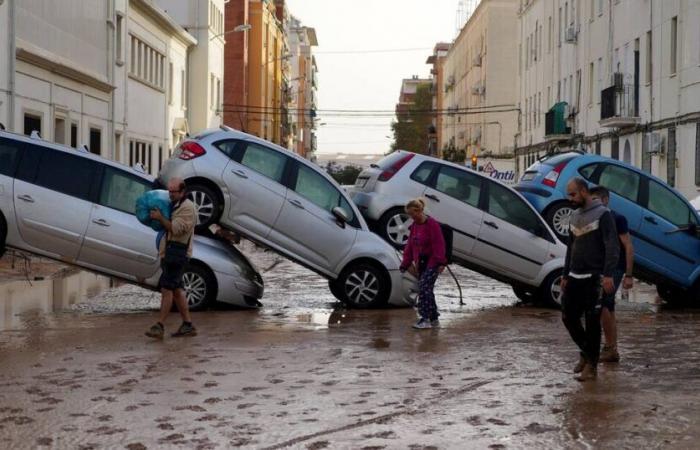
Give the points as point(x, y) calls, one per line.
point(589, 373)
point(609, 355)
point(580, 365)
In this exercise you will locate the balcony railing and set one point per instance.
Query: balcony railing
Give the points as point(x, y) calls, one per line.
point(618, 107)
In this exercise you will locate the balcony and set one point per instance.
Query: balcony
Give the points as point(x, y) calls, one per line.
point(555, 128)
point(618, 108)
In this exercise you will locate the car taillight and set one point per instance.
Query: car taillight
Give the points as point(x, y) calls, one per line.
point(553, 176)
point(191, 150)
point(391, 171)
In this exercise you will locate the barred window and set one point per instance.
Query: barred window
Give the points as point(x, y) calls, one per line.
point(147, 64)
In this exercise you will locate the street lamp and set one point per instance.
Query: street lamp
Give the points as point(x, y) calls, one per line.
point(237, 29)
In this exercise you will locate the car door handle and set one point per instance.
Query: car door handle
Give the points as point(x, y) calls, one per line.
point(101, 222)
point(651, 220)
point(240, 173)
point(26, 198)
point(296, 203)
point(491, 224)
point(433, 197)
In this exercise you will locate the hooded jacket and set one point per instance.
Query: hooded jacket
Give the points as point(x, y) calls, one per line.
point(594, 247)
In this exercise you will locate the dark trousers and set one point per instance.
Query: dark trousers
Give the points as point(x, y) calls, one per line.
point(582, 298)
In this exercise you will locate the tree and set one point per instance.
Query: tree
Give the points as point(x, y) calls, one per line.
point(411, 128)
point(344, 175)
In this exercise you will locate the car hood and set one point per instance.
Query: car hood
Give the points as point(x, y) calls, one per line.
point(223, 257)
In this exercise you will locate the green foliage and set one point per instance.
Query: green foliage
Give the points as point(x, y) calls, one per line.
point(455, 155)
point(344, 175)
point(411, 129)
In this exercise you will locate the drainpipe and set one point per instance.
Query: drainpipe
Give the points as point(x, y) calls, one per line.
point(111, 65)
point(12, 63)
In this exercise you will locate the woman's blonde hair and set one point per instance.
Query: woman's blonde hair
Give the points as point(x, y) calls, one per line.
point(416, 203)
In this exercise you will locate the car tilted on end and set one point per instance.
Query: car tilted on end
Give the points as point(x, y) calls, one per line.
point(496, 232)
point(662, 223)
point(285, 202)
point(78, 208)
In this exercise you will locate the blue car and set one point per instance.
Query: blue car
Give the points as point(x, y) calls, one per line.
point(663, 224)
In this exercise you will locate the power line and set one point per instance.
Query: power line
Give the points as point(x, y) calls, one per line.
point(388, 50)
point(392, 111)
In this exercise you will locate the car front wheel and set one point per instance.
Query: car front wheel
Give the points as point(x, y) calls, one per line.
point(558, 218)
point(363, 286)
point(206, 203)
point(200, 287)
point(394, 227)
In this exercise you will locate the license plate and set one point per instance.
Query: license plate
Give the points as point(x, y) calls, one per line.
point(529, 176)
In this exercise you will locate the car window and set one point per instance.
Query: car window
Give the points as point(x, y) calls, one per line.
point(228, 147)
point(668, 205)
point(422, 172)
point(68, 174)
point(587, 171)
point(120, 190)
point(505, 205)
point(459, 184)
point(621, 181)
point(319, 191)
point(9, 151)
point(266, 161)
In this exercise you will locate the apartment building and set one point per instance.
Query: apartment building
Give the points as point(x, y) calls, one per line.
point(479, 83)
point(437, 61)
point(303, 87)
point(619, 78)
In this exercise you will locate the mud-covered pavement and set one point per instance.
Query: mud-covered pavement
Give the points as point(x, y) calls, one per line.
point(304, 373)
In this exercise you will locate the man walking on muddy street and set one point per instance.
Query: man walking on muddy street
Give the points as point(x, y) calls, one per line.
point(623, 275)
point(592, 253)
point(175, 251)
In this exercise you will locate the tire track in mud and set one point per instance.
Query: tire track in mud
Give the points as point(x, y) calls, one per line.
point(384, 418)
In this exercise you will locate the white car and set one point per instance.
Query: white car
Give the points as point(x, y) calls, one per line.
point(285, 202)
point(79, 208)
point(495, 230)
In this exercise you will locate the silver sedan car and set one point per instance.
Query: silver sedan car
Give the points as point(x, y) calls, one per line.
point(286, 203)
point(79, 208)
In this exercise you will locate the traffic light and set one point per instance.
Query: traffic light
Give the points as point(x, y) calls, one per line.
point(474, 161)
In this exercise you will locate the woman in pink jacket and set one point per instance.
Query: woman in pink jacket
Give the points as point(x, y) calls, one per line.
point(424, 257)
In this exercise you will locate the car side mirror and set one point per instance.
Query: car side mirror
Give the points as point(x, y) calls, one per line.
point(340, 215)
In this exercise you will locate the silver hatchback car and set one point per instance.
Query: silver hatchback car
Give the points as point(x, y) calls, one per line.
point(284, 202)
point(76, 207)
point(496, 232)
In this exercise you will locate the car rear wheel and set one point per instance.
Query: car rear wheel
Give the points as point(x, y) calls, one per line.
point(200, 287)
point(550, 290)
point(558, 218)
point(394, 227)
point(363, 286)
point(206, 203)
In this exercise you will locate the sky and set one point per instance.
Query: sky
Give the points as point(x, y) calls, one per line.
point(369, 81)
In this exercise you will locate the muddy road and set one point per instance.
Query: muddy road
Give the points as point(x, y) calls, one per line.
point(304, 373)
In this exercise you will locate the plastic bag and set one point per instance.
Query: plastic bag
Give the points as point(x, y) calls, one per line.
point(157, 199)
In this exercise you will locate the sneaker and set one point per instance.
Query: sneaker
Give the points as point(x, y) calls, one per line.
point(435, 323)
point(422, 324)
point(156, 331)
point(589, 373)
point(609, 355)
point(580, 365)
point(185, 330)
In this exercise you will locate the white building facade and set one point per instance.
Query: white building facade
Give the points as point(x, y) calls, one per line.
point(479, 83)
point(625, 78)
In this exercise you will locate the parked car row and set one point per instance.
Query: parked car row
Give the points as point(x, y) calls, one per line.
point(79, 208)
point(663, 224)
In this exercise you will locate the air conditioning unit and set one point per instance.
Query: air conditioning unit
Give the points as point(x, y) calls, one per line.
point(654, 143)
point(571, 34)
point(479, 89)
